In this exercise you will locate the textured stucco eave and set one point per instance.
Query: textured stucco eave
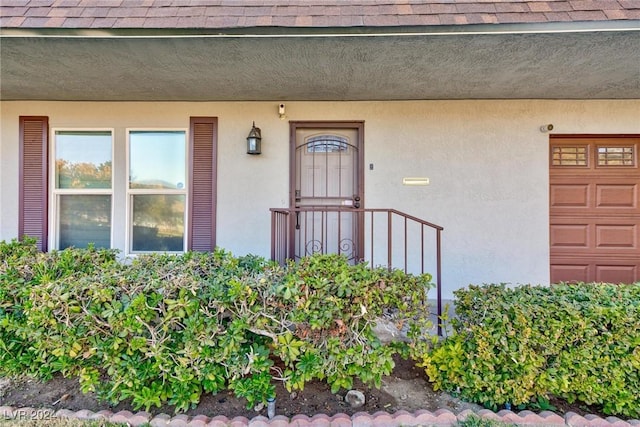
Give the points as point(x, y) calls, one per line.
point(575, 65)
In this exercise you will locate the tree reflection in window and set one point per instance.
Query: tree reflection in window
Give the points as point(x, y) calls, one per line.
point(82, 188)
point(83, 159)
point(83, 175)
point(158, 194)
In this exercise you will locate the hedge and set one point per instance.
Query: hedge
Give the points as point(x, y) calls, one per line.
point(579, 342)
point(167, 328)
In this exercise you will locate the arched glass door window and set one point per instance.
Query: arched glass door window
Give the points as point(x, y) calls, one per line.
point(327, 144)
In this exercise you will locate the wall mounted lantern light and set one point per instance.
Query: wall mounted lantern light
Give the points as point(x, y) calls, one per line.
point(254, 140)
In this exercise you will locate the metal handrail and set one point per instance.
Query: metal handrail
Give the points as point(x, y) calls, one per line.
point(284, 222)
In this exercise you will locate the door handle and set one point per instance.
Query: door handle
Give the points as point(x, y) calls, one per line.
point(356, 202)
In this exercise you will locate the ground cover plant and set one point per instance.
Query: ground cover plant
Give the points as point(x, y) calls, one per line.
point(517, 347)
point(168, 328)
point(476, 421)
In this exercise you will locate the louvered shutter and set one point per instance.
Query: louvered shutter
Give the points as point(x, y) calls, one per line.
point(203, 141)
point(33, 216)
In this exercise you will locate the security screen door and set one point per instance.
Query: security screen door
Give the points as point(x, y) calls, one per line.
point(327, 186)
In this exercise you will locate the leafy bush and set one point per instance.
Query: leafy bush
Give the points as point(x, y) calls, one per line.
point(579, 342)
point(166, 328)
point(24, 269)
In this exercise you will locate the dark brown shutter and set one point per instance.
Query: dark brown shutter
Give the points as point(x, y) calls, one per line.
point(33, 216)
point(203, 141)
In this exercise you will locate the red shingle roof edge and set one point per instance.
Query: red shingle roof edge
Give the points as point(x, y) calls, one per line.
point(230, 14)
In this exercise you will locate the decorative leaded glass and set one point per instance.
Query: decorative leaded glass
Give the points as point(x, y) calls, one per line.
point(327, 144)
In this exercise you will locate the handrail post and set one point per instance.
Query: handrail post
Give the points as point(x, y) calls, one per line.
point(273, 235)
point(389, 234)
point(405, 245)
point(371, 262)
point(422, 249)
point(284, 224)
point(439, 282)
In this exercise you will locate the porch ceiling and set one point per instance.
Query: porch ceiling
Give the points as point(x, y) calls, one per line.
point(567, 65)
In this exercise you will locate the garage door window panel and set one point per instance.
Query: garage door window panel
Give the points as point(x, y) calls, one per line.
point(616, 156)
point(570, 156)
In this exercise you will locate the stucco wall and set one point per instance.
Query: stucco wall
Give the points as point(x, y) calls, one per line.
point(487, 162)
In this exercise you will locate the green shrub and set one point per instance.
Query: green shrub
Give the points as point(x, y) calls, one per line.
point(23, 271)
point(331, 307)
point(579, 342)
point(166, 328)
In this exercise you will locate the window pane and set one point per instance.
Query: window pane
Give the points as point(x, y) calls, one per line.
point(157, 160)
point(83, 159)
point(327, 144)
point(84, 219)
point(569, 156)
point(158, 222)
point(615, 156)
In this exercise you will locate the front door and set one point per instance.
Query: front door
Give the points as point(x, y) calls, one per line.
point(327, 188)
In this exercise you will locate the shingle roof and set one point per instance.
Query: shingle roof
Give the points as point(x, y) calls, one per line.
point(227, 14)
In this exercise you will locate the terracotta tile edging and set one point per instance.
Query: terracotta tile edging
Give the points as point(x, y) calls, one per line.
point(441, 417)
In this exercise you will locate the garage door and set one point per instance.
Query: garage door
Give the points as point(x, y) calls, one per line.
point(594, 212)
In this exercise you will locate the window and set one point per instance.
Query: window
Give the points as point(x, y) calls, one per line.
point(327, 144)
point(157, 191)
point(82, 188)
point(135, 191)
point(615, 156)
point(569, 156)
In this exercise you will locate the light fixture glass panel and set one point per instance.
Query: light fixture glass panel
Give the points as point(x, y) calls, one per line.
point(252, 145)
point(83, 159)
point(157, 160)
point(84, 219)
point(158, 222)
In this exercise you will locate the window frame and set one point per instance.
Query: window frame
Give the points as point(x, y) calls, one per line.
point(560, 164)
point(54, 192)
point(607, 165)
point(130, 193)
